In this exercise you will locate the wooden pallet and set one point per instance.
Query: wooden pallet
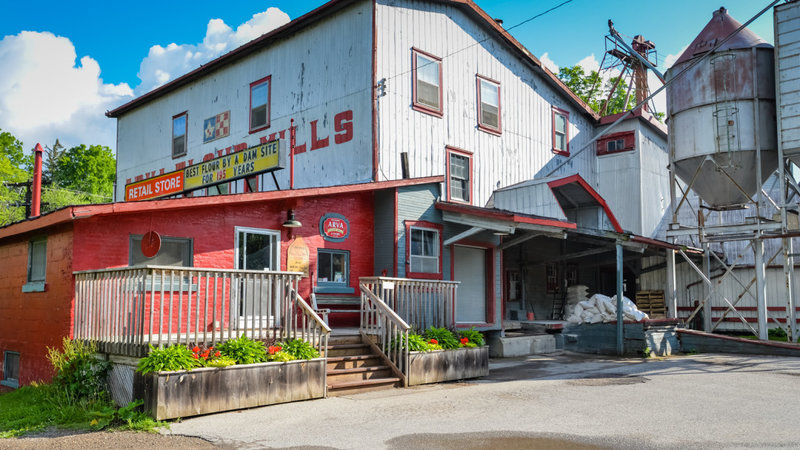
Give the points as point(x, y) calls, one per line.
point(652, 303)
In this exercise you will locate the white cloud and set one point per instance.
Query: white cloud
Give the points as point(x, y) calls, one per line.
point(547, 62)
point(163, 64)
point(589, 64)
point(45, 94)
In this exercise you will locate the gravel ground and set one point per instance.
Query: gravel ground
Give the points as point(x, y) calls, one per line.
point(61, 439)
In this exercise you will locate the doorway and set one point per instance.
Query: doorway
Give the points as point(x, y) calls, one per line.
point(470, 269)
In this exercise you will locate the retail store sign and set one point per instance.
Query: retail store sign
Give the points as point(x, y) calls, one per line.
point(334, 227)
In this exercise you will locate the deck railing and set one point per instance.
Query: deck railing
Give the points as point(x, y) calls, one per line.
point(386, 330)
point(127, 309)
point(420, 303)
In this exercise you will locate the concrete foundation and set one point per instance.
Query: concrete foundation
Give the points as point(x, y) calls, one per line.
point(523, 345)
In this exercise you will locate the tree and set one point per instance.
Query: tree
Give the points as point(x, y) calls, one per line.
point(14, 168)
point(592, 90)
point(80, 175)
point(88, 170)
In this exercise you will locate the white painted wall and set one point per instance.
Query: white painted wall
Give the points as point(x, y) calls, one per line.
point(522, 152)
point(321, 71)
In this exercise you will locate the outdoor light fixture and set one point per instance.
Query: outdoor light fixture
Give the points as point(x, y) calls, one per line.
point(291, 222)
point(501, 233)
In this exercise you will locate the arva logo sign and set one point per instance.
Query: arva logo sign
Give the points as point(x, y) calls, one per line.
point(334, 227)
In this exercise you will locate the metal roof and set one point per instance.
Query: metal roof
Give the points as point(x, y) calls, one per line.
point(718, 28)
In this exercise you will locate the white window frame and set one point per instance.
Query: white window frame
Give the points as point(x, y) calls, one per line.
point(452, 178)
point(437, 248)
point(254, 321)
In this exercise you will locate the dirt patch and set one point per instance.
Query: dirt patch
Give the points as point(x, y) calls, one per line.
point(475, 441)
point(65, 439)
point(609, 379)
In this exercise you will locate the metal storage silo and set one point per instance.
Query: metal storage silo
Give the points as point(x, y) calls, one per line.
point(722, 112)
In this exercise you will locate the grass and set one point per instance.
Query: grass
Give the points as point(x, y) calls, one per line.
point(37, 407)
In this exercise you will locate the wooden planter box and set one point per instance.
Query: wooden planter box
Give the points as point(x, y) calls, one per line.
point(447, 365)
point(168, 395)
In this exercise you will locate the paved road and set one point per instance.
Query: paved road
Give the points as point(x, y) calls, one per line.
point(563, 401)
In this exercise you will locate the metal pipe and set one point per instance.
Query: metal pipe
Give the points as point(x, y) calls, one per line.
point(707, 273)
point(761, 289)
point(36, 198)
point(620, 323)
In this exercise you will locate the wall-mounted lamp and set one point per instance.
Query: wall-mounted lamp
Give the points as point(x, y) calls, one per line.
point(291, 222)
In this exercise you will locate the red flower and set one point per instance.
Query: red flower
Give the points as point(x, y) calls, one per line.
point(195, 356)
point(196, 349)
point(217, 353)
point(274, 349)
point(434, 341)
point(464, 341)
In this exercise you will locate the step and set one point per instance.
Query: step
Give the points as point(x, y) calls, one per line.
point(336, 339)
point(356, 387)
point(353, 361)
point(348, 349)
point(358, 373)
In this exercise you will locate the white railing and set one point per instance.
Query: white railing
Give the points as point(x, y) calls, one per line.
point(127, 309)
point(420, 303)
point(387, 330)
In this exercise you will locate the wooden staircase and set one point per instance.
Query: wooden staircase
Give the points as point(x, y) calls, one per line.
point(354, 367)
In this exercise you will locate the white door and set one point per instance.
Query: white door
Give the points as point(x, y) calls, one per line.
point(257, 249)
point(470, 270)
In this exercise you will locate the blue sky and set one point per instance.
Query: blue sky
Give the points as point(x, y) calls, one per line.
point(108, 49)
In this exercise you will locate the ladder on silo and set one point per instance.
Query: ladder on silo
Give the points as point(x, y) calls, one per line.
point(725, 110)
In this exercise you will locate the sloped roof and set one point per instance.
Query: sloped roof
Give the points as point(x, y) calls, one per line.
point(468, 6)
point(718, 28)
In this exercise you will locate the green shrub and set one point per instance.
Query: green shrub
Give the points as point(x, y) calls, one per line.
point(78, 371)
point(299, 349)
point(416, 343)
point(474, 336)
point(281, 356)
point(244, 350)
point(443, 337)
point(220, 361)
point(174, 357)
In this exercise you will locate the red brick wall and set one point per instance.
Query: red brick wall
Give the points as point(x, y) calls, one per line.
point(102, 242)
point(30, 322)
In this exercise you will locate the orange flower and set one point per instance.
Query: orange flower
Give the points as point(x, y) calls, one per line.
point(434, 341)
point(464, 341)
point(196, 349)
point(217, 354)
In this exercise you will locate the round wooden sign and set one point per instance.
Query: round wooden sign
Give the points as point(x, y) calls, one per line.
point(151, 244)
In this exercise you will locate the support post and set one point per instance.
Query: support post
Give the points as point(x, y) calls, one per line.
point(620, 324)
point(788, 272)
point(707, 310)
point(672, 300)
point(761, 289)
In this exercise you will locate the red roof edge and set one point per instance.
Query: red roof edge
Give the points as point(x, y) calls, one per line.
point(84, 211)
point(503, 215)
point(578, 179)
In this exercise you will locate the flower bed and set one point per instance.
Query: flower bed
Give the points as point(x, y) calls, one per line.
point(240, 373)
point(444, 356)
point(168, 395)
point(448, 365)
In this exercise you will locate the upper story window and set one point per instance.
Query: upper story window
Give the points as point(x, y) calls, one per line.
point(560, 132)
point(616, 142)
point(37, 265)
point(179, 127)
point(260, 93)
point(424, 250)
point(459, 175)
point(488, 105)
point(427, 70)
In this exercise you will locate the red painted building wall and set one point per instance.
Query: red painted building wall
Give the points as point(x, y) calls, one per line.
point(31, 322)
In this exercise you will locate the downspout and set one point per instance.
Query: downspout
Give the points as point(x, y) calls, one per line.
point(36, 199)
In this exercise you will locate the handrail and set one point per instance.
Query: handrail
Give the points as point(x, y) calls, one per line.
point(386, 331)
point(373, 279)
point(420, 303)
point(386, 310)
point(126, 309)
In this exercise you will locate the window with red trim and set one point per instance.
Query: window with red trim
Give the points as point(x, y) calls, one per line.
point(179, 128)
point(424, 250)
point(427, 73)
point(488, 105)
point(260, 92)
point(560, 132)
point(624, 141)
point(459, 176)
